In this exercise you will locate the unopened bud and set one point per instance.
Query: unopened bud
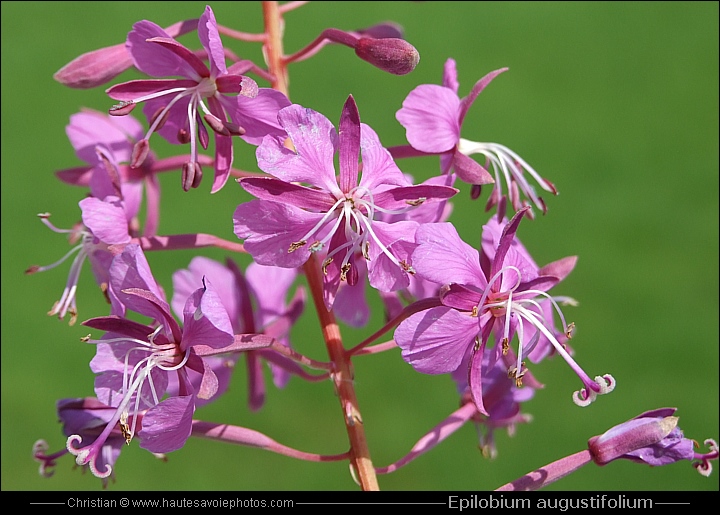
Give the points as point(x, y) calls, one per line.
point(95, 68)
point(392, 55)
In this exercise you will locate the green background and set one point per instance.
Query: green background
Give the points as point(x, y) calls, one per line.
point(616, 103)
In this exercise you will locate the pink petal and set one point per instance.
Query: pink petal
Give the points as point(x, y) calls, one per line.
point(434, 341)
point(210, 39)
point(205, 320)
point(430, 115)
point(167, 426)
point(315, 142)
point(270, 228)
point(444, 258)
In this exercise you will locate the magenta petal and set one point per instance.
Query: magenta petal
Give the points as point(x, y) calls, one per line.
point(185, 282)
point(430, 115)
point(223, 161)
point(153, 59)
point(480, 85)
point(378, 166)
point(106, 220)
point(349, 145)
point(450, 79)
point(402, 197)
point(209, 383)
point(210, 39)
point(205, 320)
point(258, 115)
point(475, 378)
point(167, 426)
point(468, 170)
point(560, 268)
point(434, 341)
point(460, 297)
point(315, 142)
point(139, 88)
point(194, 63)
point(269, 230)
point(398, 239)
point(269, 188)
point(444, 258)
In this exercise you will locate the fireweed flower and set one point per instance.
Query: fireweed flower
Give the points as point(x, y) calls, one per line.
point(652, 438)
point(433, 116)
point(134, 361)
point(106, 143)
point(176, 108)
point(495, 293)
point(289, 221)
point(255, 303)
point(501, 399)
point(85, 417)
point(104, 227)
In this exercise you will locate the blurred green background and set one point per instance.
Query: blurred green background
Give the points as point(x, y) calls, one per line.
point(616, 103)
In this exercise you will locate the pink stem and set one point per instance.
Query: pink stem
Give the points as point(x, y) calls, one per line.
point(549, 473)
point(248, 437)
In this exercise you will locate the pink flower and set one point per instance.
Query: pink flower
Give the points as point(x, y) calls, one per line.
point(433, 116)
point(134, 361)
point(255, 303)
point(176, 108)
point(338, 214)
point(498, 293)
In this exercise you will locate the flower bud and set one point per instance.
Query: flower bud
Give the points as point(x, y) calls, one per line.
point(392, 55)
point(94, 68)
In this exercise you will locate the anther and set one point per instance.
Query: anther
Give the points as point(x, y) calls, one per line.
point(297, 244)
point(123, 108)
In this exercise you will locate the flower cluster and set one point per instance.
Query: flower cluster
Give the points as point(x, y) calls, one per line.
point(331, 207)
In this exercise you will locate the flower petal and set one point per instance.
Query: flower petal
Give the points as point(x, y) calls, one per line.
point(434, 341)
point(206, 321)
point(271, 228)
point(315, 142)
point(430, 115)
point(167, 426)
point(442, 257)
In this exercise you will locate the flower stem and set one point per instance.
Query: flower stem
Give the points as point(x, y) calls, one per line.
point(342, 368)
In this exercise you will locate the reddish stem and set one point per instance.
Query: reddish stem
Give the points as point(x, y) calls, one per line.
point(342, 375)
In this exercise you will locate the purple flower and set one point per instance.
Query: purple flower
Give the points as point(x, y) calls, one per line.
point(85, 417)
point(497, 292)
point(176, 108)
point(433, 116)
point(106, 144)
point(338, 215)
point(652, 438)
point(134, 361)
point(104, 228)
point(501, 399)
point(255, 303)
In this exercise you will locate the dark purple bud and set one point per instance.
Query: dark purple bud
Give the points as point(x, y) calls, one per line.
point(392, 55)
point(139, 153)
point(216, 124)
point(475, 191)
point(121, 109)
